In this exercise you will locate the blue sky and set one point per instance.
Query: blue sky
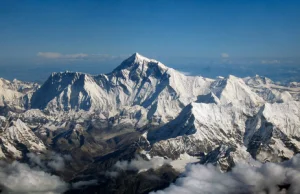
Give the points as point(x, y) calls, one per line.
point(100, 34)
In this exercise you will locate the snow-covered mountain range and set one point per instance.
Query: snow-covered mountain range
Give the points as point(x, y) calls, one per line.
point(145, 103)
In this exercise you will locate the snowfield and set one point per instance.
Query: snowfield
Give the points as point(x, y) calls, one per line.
point(175, 116)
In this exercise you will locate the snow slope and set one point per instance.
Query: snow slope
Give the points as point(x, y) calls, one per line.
point(15, 136)
point(271, 134)
point(199, 128)
point(274, 131)
point(272, 92)
point(180, 114)
point(16, 93)
point(139, 81)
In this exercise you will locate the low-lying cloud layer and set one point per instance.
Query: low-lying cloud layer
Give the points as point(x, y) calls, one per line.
point(20, 178)
point(140, 164)
point(52, 160)
point(263, 179)
point(137, 164)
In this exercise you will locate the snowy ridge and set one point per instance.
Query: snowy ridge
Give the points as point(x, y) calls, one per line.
point(271, 134)
point(285, 116)
point(17, 132)
point(200, 127)
point(233, 90)
point(16, 93)
point(137, 81)
point(272, 92)
point(177, 114)
point(274, 131)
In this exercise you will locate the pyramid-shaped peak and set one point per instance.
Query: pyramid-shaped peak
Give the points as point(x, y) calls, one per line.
point(137, 56)
point(138, 60)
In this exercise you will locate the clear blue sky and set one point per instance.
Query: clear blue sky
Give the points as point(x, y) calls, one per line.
point(44, 32)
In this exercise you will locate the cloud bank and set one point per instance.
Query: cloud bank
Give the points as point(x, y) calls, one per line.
point(137, 164)
point(20, 178)
point(140, 164)
point(79, 56)
point(54, 55)
point(263, 179)
point(52, 161)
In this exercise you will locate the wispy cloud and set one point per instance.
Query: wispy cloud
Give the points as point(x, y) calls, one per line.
point(49, 55)
point(270, 61)
point(140, 164)
point(54, 55)
point(224, 55)
point(137, 164)
point(53, 161)
point(20, 178)
point(76, 56)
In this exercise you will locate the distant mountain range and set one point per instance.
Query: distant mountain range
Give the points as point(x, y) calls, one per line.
point(144, 111)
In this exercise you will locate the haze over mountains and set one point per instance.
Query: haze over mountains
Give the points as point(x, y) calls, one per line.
point(281, 71)
point(97, 132)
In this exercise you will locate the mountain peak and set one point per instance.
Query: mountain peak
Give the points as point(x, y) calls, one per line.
point(137, 55)
point(137, 60)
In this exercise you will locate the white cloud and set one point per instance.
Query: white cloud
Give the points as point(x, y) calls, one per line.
point(264, 178)
point(270, 61)
point(57, 163)
point(76, 56)
point(51, 160)
point(224, 55)
point(20, 178)
point(36, 160)
point(49, 55)
point(140, 164)
point(54, 55)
